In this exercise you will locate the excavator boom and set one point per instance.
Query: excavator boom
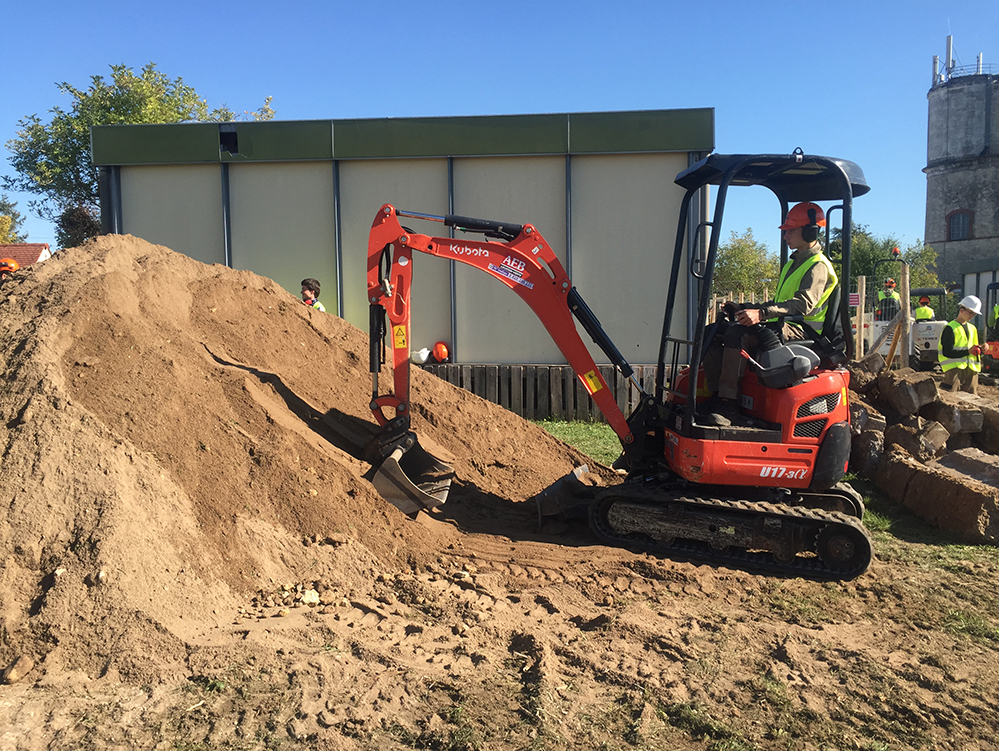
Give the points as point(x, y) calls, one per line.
point(519, 257)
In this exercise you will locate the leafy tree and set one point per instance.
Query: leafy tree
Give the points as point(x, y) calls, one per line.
point(52, 160)
point(866, 250)
point(744, 264)
point(76, 225)
point(10, 222)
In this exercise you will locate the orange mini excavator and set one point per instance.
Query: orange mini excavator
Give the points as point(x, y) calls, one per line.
point(765, 492)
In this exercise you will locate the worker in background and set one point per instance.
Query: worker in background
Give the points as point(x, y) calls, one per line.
point(806, 285)
point(924, 312)
point(993, 321)
point(960, 356)
point(888, 301)
point(310, 294)
point(7, 268)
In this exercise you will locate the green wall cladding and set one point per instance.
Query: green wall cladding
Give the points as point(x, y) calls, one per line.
point(386, 138)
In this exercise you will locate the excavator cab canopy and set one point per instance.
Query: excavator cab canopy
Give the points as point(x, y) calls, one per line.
point(792, 177)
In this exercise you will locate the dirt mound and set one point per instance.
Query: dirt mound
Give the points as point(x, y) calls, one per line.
point(191, 556)
point(180, 435)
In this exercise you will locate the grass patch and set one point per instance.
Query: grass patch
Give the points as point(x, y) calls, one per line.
point(694, 720)
point(595, 439)
point(972, 624)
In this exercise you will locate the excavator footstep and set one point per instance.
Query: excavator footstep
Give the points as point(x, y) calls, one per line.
point(413, 480)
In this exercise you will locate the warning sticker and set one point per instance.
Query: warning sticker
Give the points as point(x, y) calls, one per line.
point(592, 382)
point(399, 337)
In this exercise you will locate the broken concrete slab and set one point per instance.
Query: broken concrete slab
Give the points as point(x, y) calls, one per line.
point(987, 438)
point(863, 416)
point(960, 441)
point(924, 443)
point(974, 463)
point(945, 497)
point(906, 391)
point(957, 416)
point(865, 452)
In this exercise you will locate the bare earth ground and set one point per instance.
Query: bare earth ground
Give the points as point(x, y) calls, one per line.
point(182, 474)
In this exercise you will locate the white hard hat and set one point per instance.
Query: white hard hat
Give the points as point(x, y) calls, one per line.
point(972, 303)
point(420, 356)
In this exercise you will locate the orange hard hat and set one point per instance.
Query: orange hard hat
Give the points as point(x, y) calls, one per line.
point(440, 352)
point(924, 298)
point(804, 214)
point(889, 282)
point(9, 265)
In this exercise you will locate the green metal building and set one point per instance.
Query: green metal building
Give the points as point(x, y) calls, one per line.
point(290, 200)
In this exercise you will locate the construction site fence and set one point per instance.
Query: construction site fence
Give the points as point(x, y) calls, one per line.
point(542, 392)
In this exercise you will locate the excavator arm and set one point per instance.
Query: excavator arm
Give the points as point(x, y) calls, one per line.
point(516, 256)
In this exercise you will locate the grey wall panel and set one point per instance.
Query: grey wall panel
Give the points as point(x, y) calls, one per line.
point(494, 324)
point(176, 206)
point(283, 224)
point(624, 213)
point(416, 185)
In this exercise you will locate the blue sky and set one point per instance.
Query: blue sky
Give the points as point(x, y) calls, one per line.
point(846, 79)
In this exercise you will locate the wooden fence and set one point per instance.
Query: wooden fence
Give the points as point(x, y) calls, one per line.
point(538, 392)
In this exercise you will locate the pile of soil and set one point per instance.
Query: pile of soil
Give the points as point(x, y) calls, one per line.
point(192, 555)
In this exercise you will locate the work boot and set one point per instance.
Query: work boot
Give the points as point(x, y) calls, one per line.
point(719, 412)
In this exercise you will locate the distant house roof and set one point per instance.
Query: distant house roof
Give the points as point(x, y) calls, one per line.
point(26, 253)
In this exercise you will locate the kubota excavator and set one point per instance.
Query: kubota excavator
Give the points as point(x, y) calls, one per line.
point(763, 493)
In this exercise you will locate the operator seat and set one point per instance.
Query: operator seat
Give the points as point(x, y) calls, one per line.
point(830, 344)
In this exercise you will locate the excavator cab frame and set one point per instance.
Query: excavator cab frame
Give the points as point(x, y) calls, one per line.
point(791, 178)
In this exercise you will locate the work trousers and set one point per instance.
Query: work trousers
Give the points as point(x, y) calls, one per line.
point(724, 364)
point(961, 379)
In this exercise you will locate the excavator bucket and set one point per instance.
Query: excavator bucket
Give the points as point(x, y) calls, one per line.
point(412, 479)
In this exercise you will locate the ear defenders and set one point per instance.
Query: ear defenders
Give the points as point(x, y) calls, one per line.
point(810, 232)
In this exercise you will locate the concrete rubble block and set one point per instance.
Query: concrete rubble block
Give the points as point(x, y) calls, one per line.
point(865, 452)
point(973, 463)
point(906, 391)
point(955, 415)
point(872, 364)
point(924, 443)
point(863, 416)
point(960, 441)
point(987, 437)
point(944, 496)
point(895, 470)
point(862, 381)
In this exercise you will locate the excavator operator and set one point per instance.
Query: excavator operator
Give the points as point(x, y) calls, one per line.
point(806, 285)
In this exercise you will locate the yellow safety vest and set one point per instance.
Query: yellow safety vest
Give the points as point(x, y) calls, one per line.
point(965, 337)
point(924, 313)
point(788, 285)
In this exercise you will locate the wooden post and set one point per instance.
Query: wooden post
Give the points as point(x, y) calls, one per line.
point(906, 345)
point(861, 315)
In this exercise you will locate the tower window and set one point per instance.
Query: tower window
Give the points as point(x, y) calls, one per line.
point(959, 225)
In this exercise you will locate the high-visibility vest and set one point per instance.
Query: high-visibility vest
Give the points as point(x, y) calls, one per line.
point(965, 337)
point(789, 283)
point(924, 313)
point(994, 316)
point(893, 295)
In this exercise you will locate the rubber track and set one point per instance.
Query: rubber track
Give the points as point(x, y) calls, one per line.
point(811, 568)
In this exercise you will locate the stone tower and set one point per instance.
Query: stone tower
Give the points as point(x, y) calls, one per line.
point(962, 166)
